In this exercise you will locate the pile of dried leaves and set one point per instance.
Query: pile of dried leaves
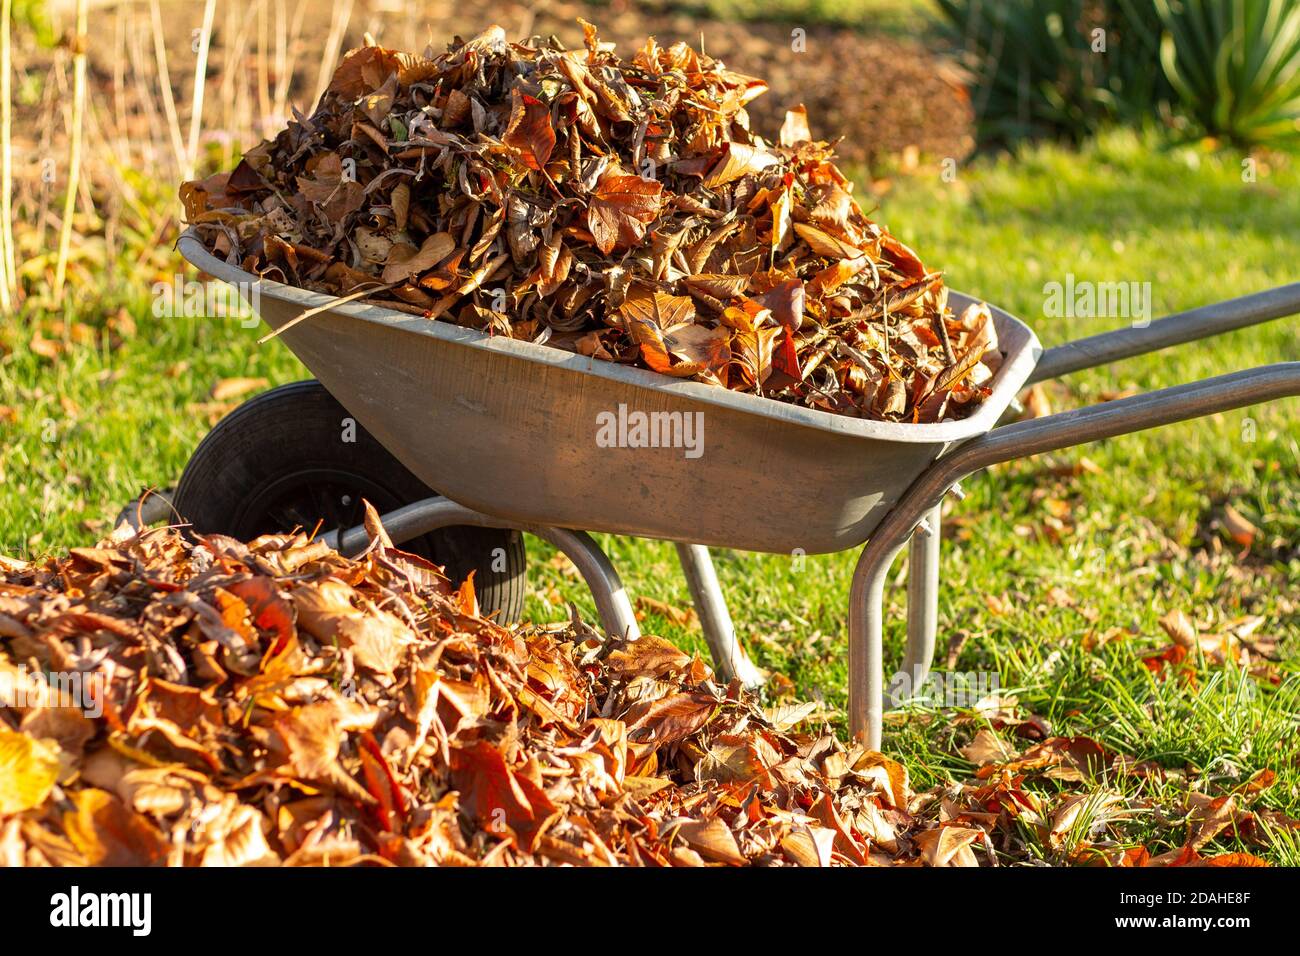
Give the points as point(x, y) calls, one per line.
point(623, 210)
point(207, 702)
point(275, 702)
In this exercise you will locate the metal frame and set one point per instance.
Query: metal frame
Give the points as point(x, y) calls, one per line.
point(1020, 440)
point(431, 514)
point(868, 693)
point(710, 603)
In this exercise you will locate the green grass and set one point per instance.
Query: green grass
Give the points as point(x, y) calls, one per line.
point(100, 423)
point(905, 17)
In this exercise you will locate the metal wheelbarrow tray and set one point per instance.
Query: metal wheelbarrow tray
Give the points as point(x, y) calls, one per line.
point(509, 428)
point(507, 431)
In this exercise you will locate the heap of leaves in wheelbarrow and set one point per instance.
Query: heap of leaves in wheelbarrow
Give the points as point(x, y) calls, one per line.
point(164, 700)
point(619, 209)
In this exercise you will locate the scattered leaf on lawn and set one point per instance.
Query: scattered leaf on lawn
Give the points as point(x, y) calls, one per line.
point(228, 388)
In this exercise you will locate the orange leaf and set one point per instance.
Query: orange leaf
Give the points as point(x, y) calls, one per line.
point(530, 130)
point(108, 833)
point(738, 160)
point(795, 128)
point(670, 718)
point(504, 803)
point(751, 352)
point(1234, 859)
point(621, 206)
point(466, 599)
point(268, 609)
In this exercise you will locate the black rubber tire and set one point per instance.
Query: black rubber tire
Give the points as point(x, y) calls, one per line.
point(280, 462)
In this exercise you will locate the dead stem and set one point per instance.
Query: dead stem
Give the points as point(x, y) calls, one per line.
point(200, 82)
point(74, 156)
point(8, 269)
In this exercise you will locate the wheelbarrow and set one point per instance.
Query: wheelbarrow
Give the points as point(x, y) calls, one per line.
point(506, 432)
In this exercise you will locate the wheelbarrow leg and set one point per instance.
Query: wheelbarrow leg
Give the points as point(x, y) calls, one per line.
point(729, 657)
point(600, 576)
point(867, 625)
point(922, 596)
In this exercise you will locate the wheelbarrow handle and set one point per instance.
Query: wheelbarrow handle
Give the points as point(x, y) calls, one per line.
point(1206, 321)
point(1079, 426)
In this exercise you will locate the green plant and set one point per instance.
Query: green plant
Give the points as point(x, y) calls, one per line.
point(1057, 68)
point(1235, 66)
point(33, 15)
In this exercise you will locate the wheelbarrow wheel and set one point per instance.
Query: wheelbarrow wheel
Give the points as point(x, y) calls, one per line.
point(293, 458)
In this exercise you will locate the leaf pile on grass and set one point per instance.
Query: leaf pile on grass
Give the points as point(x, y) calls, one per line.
point(623, 210)
point(278, 703)
point(166, 700)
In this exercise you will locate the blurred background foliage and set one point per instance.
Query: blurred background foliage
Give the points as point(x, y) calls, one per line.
point(1063, 68)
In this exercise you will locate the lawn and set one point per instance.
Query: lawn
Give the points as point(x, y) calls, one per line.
point(902, 17)
point(1055, 570)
